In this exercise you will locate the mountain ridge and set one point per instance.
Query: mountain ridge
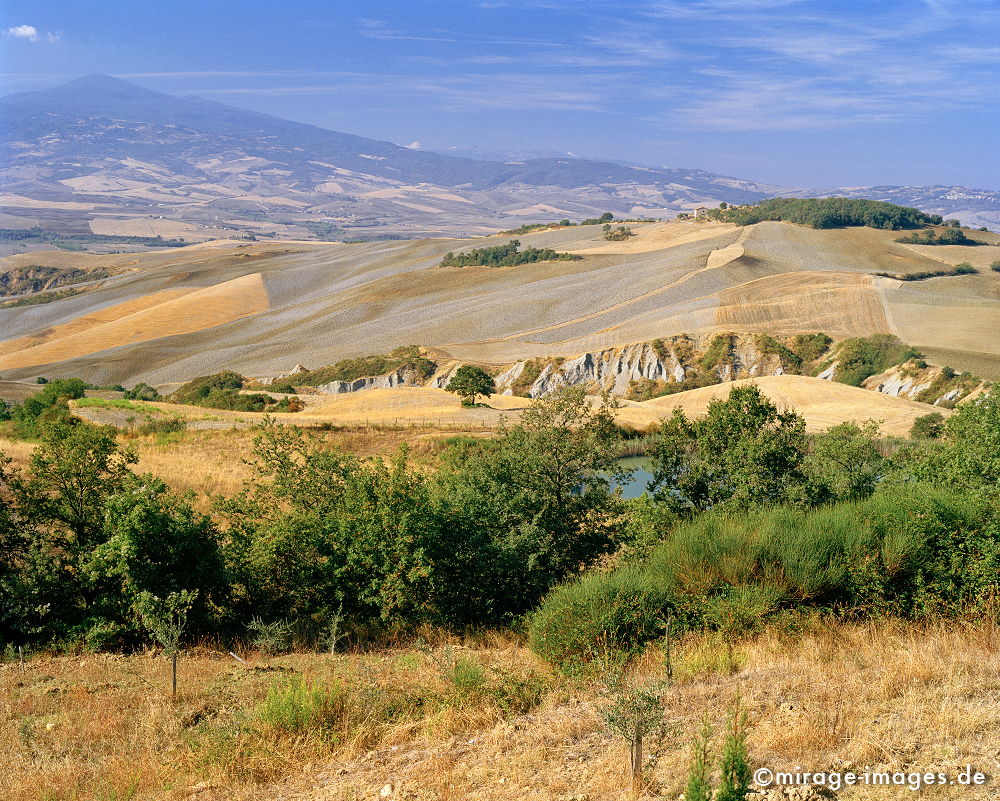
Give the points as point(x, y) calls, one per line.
point(102, 155)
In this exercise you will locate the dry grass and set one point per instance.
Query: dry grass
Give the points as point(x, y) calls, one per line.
point(822, 403)
point(213, 462)
point(885, 695)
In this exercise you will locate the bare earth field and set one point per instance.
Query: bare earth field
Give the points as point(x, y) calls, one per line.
point(327, 301)
point(850, 697)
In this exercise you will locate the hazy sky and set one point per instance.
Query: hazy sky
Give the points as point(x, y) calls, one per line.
point(800, 93)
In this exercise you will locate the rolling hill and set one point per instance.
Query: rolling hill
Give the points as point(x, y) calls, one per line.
point(166, 316)
point(101, 156)
point(104, 155)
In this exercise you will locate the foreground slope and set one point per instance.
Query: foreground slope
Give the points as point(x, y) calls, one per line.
point(317, 303)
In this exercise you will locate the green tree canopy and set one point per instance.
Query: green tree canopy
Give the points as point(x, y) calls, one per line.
point(743, 453)
point(470, 381)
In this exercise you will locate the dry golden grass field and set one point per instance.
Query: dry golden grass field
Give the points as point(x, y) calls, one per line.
point(822, 403)
point(483, 719)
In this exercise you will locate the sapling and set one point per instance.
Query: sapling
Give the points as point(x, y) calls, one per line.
point(165, 619)
point(636, 710)
point(736, 771)
point(699, 787)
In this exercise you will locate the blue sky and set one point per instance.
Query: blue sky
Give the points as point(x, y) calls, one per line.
point(798, 93)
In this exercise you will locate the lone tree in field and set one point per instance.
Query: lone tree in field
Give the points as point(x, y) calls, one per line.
point(469, 381)
point(165, 619)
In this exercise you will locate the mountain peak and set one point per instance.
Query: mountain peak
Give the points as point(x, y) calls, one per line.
point(99, 80)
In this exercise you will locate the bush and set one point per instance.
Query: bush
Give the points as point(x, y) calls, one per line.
point(198, 389)
point(951, 236)
point(914, 552)
point(597, 616)
point(294, 707)
point(143, 392)
point(405, 357)
point(504, 256)
point(863, 357)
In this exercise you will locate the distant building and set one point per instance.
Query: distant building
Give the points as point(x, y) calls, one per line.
point(700, 212)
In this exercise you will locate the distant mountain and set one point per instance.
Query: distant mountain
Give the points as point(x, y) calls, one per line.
point(103, 155)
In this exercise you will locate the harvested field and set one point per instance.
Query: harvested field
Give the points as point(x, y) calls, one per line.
point(107, 315)
point(655, 237)
point(332, 301)
point(822, 403)
point(839, 304)
point(169, 313)
point(17, 391)
point(145, 226)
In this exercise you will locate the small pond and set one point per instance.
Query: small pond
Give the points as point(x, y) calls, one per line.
point(641, 475)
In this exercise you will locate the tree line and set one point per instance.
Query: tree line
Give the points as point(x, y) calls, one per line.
point(488, 538)
point(827, 212)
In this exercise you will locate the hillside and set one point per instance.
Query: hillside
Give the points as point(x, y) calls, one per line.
point(316, 303)
point(822, 403)
point(105, 158)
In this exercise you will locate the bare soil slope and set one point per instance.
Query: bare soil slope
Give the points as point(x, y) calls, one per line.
point(326, 302)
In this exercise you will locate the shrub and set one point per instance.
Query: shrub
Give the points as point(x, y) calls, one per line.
point(862, 357)
point(405, 357)
point(198, 389)
point(911, 552)
point(597, 616)
point(504, 256)
point(295, 706)
point(143, 392)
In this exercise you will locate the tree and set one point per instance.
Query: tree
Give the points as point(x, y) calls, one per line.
point(743, 453)
point(845, 463)
point(166, 619)
point(469, 381)
point(143, 392)
point(540, 494)
point(74, 471)
point(321, 528)
point(154, 541)
point(928, 426)
point(967, 456)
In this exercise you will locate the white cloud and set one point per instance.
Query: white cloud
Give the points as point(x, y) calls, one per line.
point(28, 32)
point(414, 145)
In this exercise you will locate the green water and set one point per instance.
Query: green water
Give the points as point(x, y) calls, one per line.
point(636, 485)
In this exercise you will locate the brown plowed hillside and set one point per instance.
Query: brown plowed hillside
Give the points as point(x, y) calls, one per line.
point(331, 301)
point(838, 303)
